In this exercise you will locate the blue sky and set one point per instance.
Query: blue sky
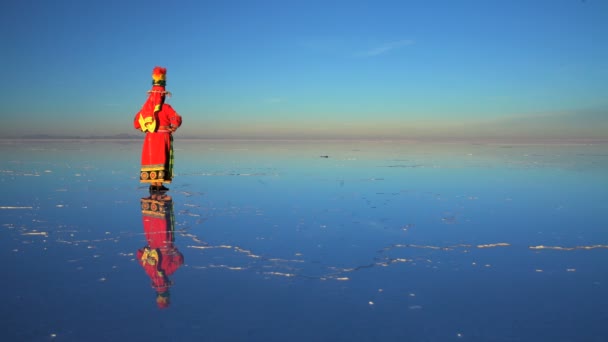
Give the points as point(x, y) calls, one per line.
point(310, 68)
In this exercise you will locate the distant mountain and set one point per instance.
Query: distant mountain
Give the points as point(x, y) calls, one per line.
point(117, 136)
point(51, 136)
point(582, 124)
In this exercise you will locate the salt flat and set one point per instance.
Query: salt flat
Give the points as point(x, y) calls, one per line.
point(306, 241)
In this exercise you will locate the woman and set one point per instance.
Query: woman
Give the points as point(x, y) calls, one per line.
point(158, 120)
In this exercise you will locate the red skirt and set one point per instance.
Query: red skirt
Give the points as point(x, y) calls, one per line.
point(157, 158)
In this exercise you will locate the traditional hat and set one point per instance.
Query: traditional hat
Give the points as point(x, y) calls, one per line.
point(159, 77)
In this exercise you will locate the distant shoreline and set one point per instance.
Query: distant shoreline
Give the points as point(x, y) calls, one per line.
point(510, 141)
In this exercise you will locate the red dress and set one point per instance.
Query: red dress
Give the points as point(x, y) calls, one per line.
point(160, 258)
point(157, 151)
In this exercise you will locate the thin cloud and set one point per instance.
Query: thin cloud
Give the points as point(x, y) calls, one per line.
point(386, 48)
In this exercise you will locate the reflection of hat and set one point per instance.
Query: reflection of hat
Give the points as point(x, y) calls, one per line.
point(163, 300)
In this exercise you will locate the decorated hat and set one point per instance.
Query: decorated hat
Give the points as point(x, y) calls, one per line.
point(159, 76)
point(159, 81)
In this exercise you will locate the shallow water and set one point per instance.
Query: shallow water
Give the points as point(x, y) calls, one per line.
point(307, 241)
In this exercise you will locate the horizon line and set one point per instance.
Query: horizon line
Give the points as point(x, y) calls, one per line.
point(419, 139)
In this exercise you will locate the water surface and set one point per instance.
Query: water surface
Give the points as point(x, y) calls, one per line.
point(306, 241)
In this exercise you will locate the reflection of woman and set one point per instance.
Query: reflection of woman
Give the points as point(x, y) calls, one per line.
point(160, 258)
point(158, 120)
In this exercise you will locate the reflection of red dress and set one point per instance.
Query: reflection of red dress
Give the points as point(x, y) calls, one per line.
point(157, 151)
point(160, 258)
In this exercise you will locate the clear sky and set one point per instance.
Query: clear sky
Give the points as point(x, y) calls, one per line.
point(328, 69)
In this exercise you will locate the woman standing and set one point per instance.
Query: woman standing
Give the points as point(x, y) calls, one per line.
point(158, 120)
